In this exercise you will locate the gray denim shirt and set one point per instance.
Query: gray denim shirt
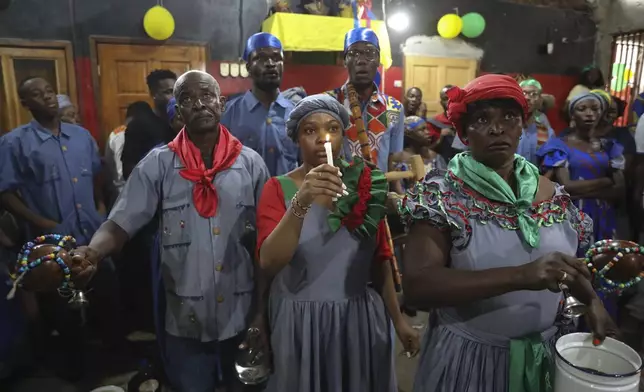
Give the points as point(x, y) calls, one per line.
point(207, 271)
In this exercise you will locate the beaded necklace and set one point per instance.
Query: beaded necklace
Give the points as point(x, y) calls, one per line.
point(24, 265)
point(606, 284)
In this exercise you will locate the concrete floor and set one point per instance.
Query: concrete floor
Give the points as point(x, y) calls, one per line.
point(44, 381)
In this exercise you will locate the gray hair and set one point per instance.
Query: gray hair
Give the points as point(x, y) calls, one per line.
point(318, 103)
point(178, 85)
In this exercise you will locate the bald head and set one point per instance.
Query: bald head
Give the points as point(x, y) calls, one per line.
point(443, 96)
point(196, 76)
point(199, 102)
point(413, 99)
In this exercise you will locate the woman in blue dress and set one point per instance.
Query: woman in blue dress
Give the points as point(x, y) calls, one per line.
point(590, 169)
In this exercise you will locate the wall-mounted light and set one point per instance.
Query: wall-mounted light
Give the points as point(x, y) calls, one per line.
point(398, 16)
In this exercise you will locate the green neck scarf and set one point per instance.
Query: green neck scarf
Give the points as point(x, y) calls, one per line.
point(489, 184)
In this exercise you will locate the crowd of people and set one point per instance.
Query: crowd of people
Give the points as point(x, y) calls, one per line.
point(216, 218)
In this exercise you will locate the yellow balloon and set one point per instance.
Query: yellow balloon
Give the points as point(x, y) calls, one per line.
point(450, 26)
point(158, 23)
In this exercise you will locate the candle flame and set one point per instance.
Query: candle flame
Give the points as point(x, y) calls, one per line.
point(328, 137)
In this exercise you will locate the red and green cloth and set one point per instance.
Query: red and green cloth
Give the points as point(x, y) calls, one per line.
point(364, 207)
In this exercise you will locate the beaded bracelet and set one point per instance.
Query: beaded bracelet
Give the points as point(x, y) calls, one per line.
point(609, 285)
point(295, 202)
point(62, 242)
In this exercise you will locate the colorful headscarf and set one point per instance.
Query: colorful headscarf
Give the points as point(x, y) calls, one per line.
point(605, 99)
point(171, 109)
point(414, 122)
point(531, 82)
point(318, 103)
point(259, 41)
point(583, 97)
point(482, 88)
point(361, 34)
point(63, 101)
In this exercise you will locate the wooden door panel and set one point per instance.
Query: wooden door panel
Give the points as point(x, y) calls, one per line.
point(20, 63)
point(123, 72)
point(432, 74)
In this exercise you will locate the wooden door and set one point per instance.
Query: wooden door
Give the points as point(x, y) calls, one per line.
point(20, 63)
point(122, 70)
point(431, 74)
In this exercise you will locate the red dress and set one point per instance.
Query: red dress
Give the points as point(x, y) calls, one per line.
point(272, 208)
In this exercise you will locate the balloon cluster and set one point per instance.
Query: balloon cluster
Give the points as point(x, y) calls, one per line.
point(470, 25)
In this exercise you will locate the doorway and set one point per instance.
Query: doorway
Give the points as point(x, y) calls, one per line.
point(122, 69)
point(431, 74)
point(20, 60)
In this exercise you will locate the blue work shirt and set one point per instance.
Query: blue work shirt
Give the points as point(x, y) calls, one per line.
point(264, 130)
point(384, 122)
point(54, 176)
point(529, 142)
point(206, 263)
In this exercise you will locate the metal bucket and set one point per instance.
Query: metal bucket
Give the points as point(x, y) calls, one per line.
point(583, 367)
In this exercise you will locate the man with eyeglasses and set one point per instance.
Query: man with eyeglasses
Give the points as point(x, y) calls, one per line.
point(258, 117)
point(383, 115)
point(537, 129)
point(202, 189)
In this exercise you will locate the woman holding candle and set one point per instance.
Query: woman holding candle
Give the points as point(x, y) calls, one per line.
point(329, 331)
point(489, 243)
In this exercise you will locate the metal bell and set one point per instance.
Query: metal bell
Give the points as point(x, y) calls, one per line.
point(79, 300)
point(572, 307)
point(251, 365)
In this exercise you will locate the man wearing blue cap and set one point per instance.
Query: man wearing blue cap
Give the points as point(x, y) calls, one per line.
point(383, 115)
point(258, 118)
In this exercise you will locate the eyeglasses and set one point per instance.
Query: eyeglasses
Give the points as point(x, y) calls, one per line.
point(203, 98)
point(367, 54)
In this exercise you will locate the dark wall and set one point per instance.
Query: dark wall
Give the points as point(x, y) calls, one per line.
point(212, 21)
point(513, 34)
point(511, 42)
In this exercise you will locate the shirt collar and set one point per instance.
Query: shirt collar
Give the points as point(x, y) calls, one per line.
point(251, 101)
point(376, 96)
point(45, 134)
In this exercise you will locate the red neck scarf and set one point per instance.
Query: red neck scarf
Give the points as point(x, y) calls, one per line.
point(204, 194)
point(482, 88)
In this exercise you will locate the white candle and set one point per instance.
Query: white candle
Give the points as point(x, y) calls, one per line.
point(329, 156)
point(329, 152)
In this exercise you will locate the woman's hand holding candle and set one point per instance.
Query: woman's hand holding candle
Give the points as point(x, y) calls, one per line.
point(323, 180)
point(329, 156)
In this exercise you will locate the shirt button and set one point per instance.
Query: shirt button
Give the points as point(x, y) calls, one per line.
point(219, 267)
point(269, 121)
point(220, 298)
point(216, 231)
point(64, 148)
point(79, 206)
point(75, 179)
point(193, 319)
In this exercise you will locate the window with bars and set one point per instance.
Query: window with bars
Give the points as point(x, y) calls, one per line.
point(627, 76)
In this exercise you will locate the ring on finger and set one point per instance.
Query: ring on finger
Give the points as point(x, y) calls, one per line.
point(563, 278)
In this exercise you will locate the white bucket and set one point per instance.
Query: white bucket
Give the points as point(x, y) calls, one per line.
point(583, 367)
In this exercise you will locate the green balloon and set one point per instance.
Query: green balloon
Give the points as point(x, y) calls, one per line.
point(473, 25)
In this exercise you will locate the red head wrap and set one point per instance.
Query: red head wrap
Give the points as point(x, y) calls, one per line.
point(482, 88)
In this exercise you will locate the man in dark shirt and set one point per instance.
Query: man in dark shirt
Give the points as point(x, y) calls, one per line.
point(143, 134)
